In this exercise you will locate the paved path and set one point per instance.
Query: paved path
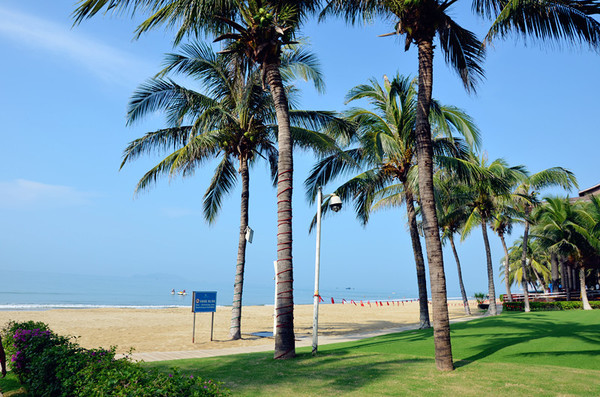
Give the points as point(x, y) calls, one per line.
point(268, 346)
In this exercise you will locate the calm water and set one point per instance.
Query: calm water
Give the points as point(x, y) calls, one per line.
point(28, 291)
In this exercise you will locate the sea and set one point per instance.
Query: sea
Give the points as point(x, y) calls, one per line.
point(45, 291)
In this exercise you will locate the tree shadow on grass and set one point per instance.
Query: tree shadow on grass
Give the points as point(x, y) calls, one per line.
point(499, 336)
point(340, 370)
point(351, 366)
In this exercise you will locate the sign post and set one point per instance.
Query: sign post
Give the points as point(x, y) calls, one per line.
point(204, 302)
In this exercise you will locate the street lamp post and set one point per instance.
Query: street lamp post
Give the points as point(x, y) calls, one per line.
point(335, 203)
point(315, 338)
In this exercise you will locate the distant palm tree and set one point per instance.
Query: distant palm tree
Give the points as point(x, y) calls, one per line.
point(525, 198)
point(385, 157)
point(451, 218)
point(537, 265)
point(492, 186)
point(234, 122)
point(502, 223)
point(572, 232)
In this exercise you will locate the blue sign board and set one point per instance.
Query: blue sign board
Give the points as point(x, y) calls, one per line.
point(204, 301)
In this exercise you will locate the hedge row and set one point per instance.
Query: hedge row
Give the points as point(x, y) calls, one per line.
point(547, 306)
point(51, 365)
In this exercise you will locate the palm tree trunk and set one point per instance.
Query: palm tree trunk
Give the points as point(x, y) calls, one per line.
point(506, 269)
point(460, 279)
point(584, 298)
point(285, 345)
point(235, 330)
point(540, 280)
point(492, 309)
point(565, 278)
point(523, 266)
point(419, 260)
point(441, 322)
point(554, 271)
point(571, 282)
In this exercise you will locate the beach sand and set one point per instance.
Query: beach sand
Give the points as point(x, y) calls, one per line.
point(168, 330)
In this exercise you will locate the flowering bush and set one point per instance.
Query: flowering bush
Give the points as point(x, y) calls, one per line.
point(47, 364)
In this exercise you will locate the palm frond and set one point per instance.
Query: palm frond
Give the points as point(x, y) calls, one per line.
point(300, 63)
point(222, 182)
point(462, 51)
point(167, 96)
point(555, 176)
point(156, 141)
point(331, 167)
point(570, 21)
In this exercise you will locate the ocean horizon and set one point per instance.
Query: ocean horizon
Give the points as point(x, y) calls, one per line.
point(24, 291)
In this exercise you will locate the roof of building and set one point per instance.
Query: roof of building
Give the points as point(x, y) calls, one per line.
point(588, 191)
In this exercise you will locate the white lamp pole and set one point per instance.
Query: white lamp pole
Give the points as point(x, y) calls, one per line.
point(315, 339)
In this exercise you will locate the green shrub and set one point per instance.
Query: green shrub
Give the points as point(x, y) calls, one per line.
point(547, 306)
point(121, 378)
point(480, 297)
point(50, 365)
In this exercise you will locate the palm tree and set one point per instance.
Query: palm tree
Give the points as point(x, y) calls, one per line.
point(571, 231)
point(537, 265)
point(482, 198)
point(420, 22)
point(235, 122)
point(385, 157)
point(525, 198)
point(451, 218)
point(502, 223)
point(259, 29)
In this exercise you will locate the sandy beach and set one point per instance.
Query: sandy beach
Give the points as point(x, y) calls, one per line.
point(164, 330)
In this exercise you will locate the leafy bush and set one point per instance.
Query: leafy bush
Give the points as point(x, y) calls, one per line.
point(47, 364)
point(547, 306)
point(480, 297)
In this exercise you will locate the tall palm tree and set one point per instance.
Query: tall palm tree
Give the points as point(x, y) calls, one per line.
point(420, 22)
point(259, 29)
point(385, 157)
point(234, 122)
point(526, 198)
point(482, 198)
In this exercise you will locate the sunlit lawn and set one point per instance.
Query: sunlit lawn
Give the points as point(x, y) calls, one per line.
point(535, 354)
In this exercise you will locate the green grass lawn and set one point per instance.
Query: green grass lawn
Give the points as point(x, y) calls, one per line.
point(515, 354)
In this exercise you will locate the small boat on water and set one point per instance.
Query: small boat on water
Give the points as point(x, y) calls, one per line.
point(182, 293)
point(173, 292)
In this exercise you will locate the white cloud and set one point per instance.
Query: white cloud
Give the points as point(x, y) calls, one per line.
point(24, 194)
point(107, 63)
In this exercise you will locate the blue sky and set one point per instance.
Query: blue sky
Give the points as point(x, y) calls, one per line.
point(66, 208)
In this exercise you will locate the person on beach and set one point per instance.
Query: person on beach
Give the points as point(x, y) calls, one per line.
point(2, 358)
